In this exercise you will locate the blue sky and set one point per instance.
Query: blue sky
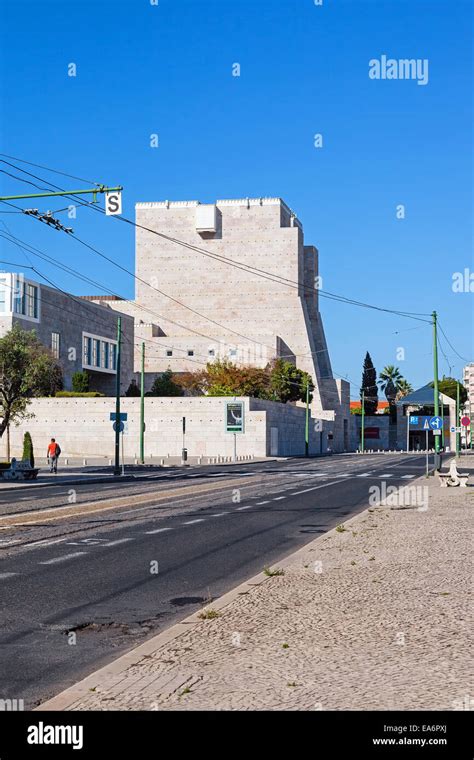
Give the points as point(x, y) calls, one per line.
point(167, 69)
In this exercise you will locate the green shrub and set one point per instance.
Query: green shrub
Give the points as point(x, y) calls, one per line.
point(28, 453)
point(77, 394)
point(80, 382)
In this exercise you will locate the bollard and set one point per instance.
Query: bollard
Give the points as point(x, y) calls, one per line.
point(84, 462)
point(66, 461)
point(162, 462)
point(110, 463)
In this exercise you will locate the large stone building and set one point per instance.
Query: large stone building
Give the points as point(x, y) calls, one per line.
point(206, 299)
point(81, 335)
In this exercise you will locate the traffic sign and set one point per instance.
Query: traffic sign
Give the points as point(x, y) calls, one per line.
point(120, 426)
point(413, 420)
point(113, 203)
point(436, 423)
point(465, 421)
point(455, 429)
point(437, 432)
point(426, 424)
point(123, 416)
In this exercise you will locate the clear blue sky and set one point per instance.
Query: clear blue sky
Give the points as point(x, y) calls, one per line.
point(167, 69)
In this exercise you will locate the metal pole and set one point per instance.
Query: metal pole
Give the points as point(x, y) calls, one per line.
point(123, 457)
point(427, 455)
point(142, 408)
point(362, 436)
point(235, 447)
point(306, 432)
point(100, 189)
point(435, 384)
point(458, 421)
point(408, 432)
point(117, 399)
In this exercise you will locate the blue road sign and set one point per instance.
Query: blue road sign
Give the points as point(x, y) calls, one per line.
point(413, 420)
point(120, 426)
point(426, 424)
point(436, 423)
point(123, 416)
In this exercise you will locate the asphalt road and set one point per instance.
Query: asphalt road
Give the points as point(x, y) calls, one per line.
point(94, 575)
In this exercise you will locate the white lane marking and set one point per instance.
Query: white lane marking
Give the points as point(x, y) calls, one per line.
point(158, 530)
point(219, 514)
point(6, 575)
point(297, 493)
point(118, 541)
point(260, 503)
point(45, 542)
point(407, 477)
point(217, 475)
point(239, 509)
point(62, 559)
point(363, 475)
point(278, 498)
point(192, 522)
point(386, 475)
point(344, 475)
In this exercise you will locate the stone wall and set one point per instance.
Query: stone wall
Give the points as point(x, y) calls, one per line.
point(82, 427)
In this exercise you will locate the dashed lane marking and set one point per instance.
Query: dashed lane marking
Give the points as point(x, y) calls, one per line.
point(278, 498)
point(363, 475)
point(219, 514)
point(118, 541)
point(63, 558)
point(261, 503)
point(192, 522)
point(158, 530)
point(3, 576)
point(239, 509)
point(408, 477)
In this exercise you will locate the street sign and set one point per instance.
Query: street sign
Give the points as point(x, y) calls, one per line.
point(120, 426)
point(123, 416)
point(436, 423)
point(113, 203)
point(455, 429)
point(437, 432)
point(234, 416)
point(426, 424)
point(465, 421)
point(413, 420)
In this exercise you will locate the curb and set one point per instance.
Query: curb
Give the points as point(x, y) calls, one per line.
point(69, 696)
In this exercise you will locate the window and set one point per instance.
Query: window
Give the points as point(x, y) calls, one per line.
point(211, 352)
point(232, 352)
point(105, 354)
point(190, 352)
point(31, 301)
point(96, 353)
point(3, 297)
point(169, 353)
point(87, 351)
point(55, 344)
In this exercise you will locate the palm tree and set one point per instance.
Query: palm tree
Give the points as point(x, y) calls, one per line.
point(403, 389)
point(389, 381)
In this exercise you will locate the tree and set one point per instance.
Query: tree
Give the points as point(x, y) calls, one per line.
point(389, 381)
point(369, 386)
point(80, 382)
point(448, 386)
point(164, 385)
point(404, 388)
point(27, 369)
point(28, 453)
point(133, 389)
point(288, 383)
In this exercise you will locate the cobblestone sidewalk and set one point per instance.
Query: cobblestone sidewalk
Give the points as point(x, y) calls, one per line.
point(371, 616)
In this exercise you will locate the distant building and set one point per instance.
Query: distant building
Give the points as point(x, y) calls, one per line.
point(81, 335)
point(194, 307)
point(468, 382)
point(381, 406)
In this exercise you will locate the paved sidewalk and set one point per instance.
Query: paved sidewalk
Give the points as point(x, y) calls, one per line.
point(370, 617)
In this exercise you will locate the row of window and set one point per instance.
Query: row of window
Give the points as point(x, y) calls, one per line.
point(23, 296)
point(99, 353)
point(211, 352)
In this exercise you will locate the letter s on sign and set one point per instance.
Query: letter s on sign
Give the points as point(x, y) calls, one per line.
point(113, 203)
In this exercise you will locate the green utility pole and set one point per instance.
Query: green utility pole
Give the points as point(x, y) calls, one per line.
point(362, 441)
point(435, 385)
point(142, 408)
point(306, 434)
point(117, 399)
point(93, 191)
point(458, 421)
